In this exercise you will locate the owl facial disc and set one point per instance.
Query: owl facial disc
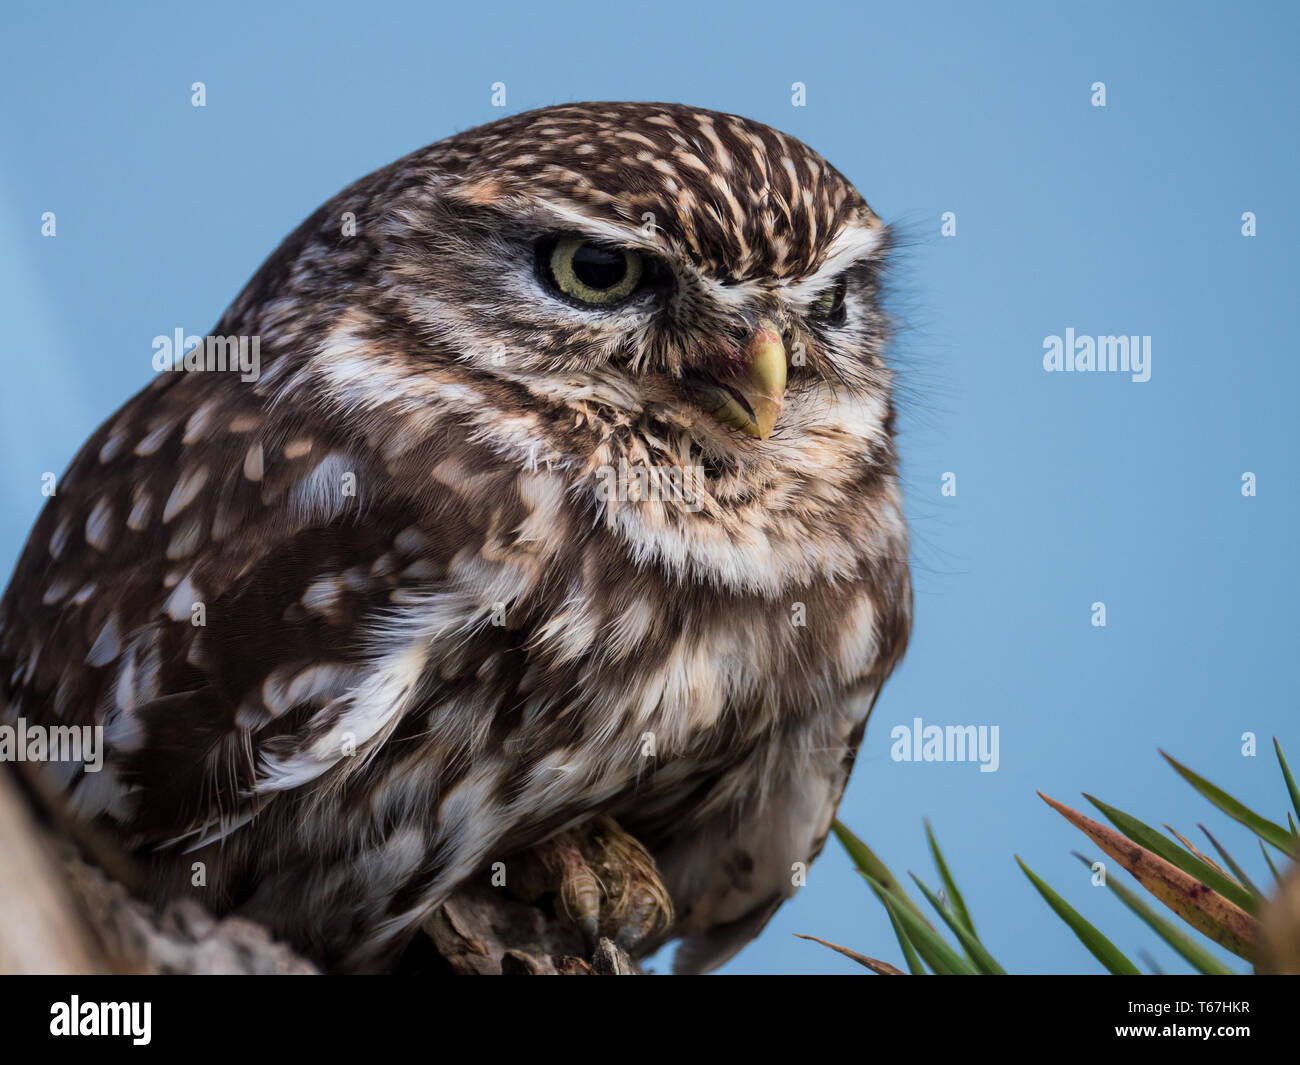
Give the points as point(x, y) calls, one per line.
point(751, 400)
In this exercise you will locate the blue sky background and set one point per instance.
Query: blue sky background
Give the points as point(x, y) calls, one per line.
point(1071, 488)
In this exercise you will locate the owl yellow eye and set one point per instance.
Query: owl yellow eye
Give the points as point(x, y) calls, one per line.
point(830, 304)
point(591, 273)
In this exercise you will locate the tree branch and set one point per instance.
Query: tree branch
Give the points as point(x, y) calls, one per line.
point(64, 915)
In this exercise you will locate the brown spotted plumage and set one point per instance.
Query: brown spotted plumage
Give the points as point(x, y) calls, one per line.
point(364, 626)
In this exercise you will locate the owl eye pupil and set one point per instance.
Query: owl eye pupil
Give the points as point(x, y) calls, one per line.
point(598, 268)
point(830, 308)
point(589, 274)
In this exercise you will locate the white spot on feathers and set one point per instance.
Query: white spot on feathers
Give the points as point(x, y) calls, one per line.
point(99, 526)
point(107, 645)
point(187, 487)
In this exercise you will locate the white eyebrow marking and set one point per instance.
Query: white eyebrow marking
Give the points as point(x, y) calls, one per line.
point(851, 244)
point(626, 234)
point(736, 295)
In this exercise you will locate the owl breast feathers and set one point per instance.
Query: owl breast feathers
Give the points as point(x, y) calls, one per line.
point(566, 489)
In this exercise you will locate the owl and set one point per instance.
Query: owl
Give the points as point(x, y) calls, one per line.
point(555, 537)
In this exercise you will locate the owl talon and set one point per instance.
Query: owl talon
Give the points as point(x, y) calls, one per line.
point(579, 889)
point(590, 929)
point(628, 937)
point(606, 884)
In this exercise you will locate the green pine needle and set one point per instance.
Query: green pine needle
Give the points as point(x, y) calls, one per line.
point(975, 951)
point(1237, 871)
point(937, 954)
point(950, 885)
point(1277, 877)
point(1102, 948)
point(914, 964)
point(1265, 829)
point(1290, 783)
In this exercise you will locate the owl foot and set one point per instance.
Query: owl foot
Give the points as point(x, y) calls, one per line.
point(605, 883)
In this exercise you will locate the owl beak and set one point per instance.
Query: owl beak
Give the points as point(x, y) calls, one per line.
point(751, 400)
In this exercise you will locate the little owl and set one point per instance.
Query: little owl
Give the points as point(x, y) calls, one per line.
point(560, 529)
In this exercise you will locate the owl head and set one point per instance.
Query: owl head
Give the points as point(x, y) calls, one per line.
point(612, 286)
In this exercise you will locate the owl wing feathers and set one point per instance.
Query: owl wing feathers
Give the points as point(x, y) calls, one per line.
point(196, 586)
